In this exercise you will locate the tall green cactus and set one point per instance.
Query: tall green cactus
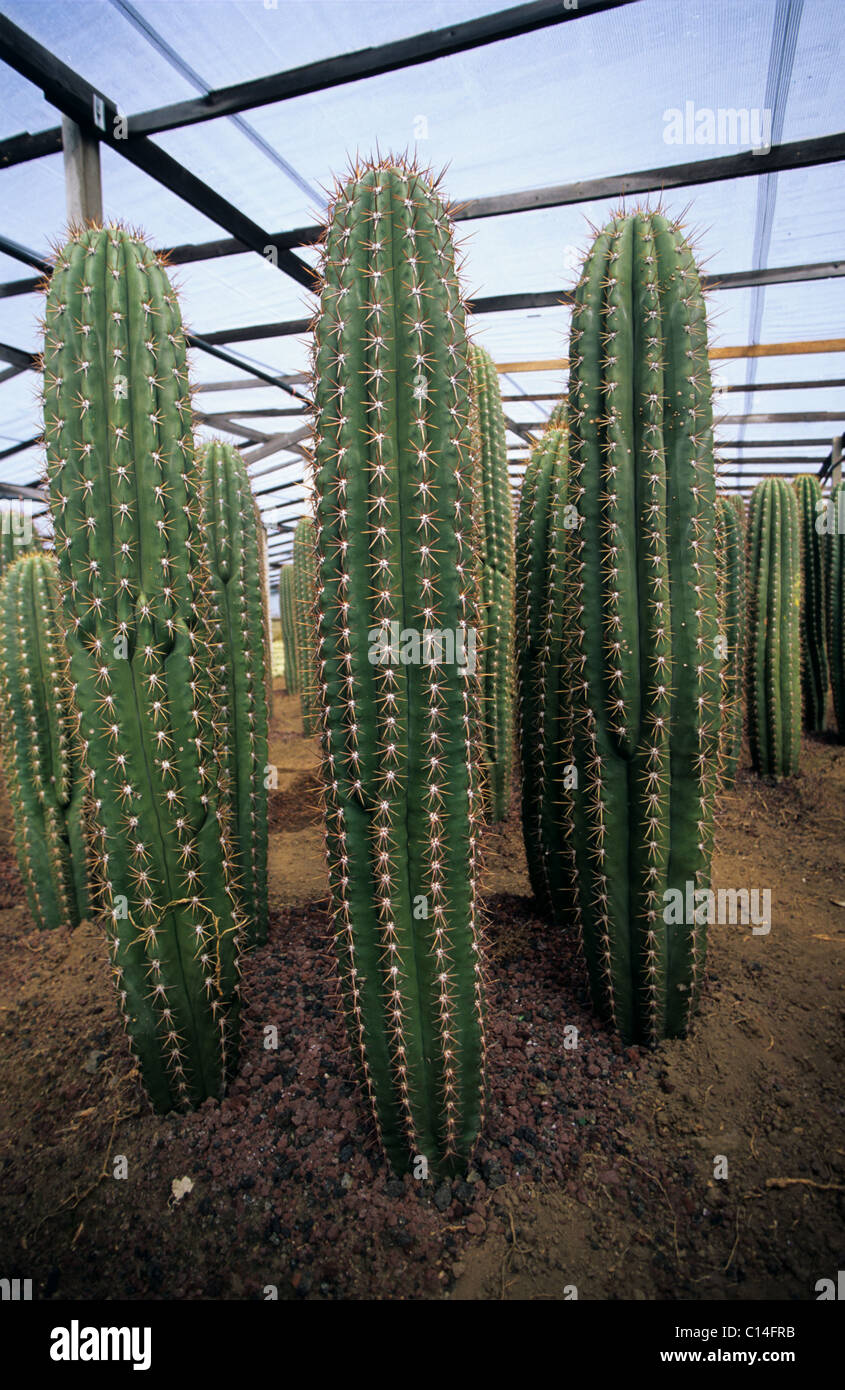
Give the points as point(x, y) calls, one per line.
point(540, 542)
point(239, 647)
point(129, 524)
point(773, 668)
point(303, 588)
point(37, 733)
point(730, 548)
point(814, 672)
point(496, 524)
point(835, 601)
point(641, 624)
point(401, 738)
point(264, 572)
point(287, 611)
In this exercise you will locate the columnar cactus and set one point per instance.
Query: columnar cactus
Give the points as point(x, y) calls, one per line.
point(814, 672)
point(287, 618)
point(540, 541)
point(730, 552)
point(773, 667)
point(496, 523)
point(264, 570)
point(303, 589)
point(641, 624)
point(835, 596)
point(397, 618)
point(37, 734)
point(236, 593)
point(129, 526)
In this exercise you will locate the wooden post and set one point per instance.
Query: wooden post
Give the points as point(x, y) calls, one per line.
point(83, 187)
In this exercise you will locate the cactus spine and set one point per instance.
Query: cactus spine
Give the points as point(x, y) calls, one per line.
point(814, 672)
point(237, 597)
point(128, 519)
point(540, 540)
point(773, 668)
point(730, 545)
point(288, 622)
point(37, 726)
point(303, 590)
point(401, 739)
point(835, 594)
point(641, 623)
point(497, 578)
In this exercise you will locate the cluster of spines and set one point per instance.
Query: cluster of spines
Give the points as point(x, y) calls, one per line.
point(835, 602)
point(814, 669)
point(540, 541)
point(287, 617)
point(304, 568)
point(731, 544)
point(37, 724)
point(773, 665)
point(236, 591)
point(129, 525)
point(496, 528)
point(401, 743)
point(641, 621)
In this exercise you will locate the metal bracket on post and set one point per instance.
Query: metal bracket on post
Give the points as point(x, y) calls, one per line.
point(83, 185)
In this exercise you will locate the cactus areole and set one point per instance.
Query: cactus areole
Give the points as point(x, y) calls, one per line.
point(641, 626)
point(401, 739)
point(129, 526)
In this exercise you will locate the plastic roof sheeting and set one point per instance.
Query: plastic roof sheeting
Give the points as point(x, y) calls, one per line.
point(580, 100)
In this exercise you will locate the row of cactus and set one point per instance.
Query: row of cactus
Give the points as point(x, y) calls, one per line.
point(835, 602)
point(37, 727)
point(773, 672)
point(814, 668)
point(730, 548)
point(132, 539)
point(402, 751)
point(303, 590)
point(287, 616)
point(239, 647)
point(540, 539)
point(496, 522)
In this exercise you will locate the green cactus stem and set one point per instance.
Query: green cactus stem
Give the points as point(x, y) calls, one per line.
point(641, 624)
point(814, 671)
point(730, 548)
point(130, 535)
point(540, 540)
point(264, 569)
point(401, 737)
point(236, 593)
point(496, 525)
point(37, 727)
point(287, 617)
point(773, 666)
point(835, 601)
point(303, 579)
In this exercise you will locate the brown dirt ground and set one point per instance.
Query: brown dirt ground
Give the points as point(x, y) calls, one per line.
point(597, 1166)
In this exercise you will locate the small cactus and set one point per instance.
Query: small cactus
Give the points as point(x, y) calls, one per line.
point(730, 551)
point(129, 524)
point(814, 672)
point(287, 617)
point(540, 541)
point(37, 727)
point(773, 665)
point(303, 589)
point(236, 591)
point(496, 524)
point(401, 739)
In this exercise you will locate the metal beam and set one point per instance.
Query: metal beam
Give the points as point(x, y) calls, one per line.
point(20, 448)
point(19, 149)
point(97, 115)
point(83, 181)
point(366, 62)
point(23, 253)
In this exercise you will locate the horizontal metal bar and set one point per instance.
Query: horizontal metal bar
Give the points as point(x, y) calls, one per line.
point(19, 149)
point(23, 254)
point(20, 448)
point(365, 62)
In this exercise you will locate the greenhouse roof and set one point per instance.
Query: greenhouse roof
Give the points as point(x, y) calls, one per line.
point(595, 92)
